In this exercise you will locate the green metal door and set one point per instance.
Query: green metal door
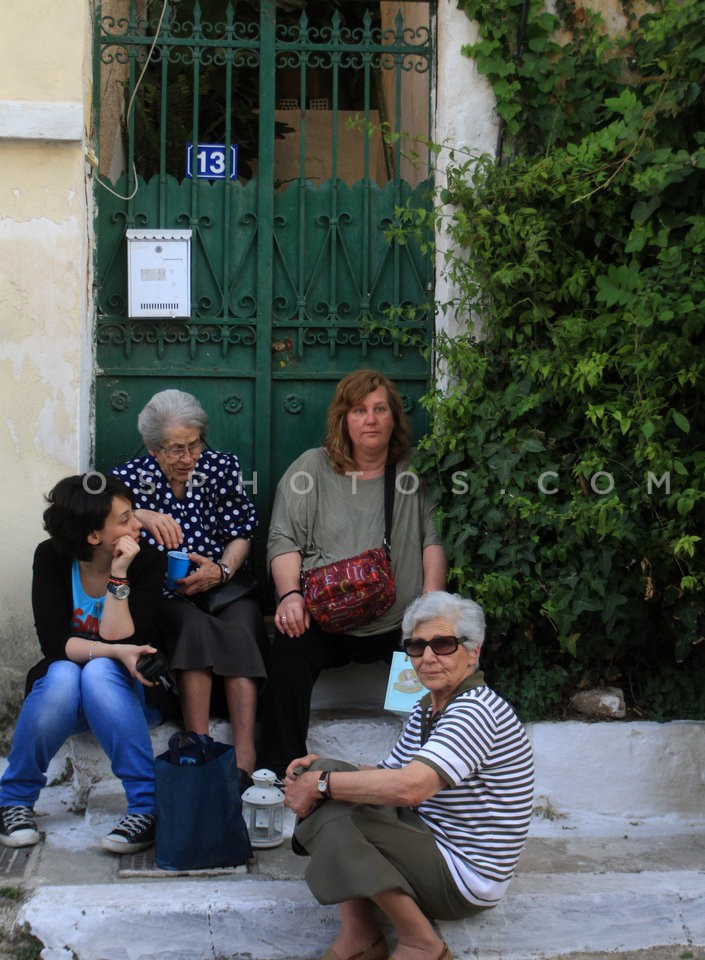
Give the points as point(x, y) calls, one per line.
point(291, 272)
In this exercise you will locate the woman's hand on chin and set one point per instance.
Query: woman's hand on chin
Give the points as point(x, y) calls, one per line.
point(125, 549)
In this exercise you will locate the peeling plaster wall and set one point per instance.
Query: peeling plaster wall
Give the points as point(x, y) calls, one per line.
point(45, 354)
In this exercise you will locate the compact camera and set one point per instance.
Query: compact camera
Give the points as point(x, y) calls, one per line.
point(155, 667)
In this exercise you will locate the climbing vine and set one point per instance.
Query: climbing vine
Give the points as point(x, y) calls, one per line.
point(567, 432)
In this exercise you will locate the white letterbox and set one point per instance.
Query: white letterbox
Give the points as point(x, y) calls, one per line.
point(159, 273)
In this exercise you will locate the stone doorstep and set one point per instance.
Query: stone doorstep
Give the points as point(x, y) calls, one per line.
point(569, 844)
point(582, 885)
point(278, 920)
point(354, 735)
point(622, 769)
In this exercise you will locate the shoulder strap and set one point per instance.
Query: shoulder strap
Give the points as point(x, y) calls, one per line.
point(390, 478)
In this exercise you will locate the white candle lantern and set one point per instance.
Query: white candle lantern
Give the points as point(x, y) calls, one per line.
point(263, 810)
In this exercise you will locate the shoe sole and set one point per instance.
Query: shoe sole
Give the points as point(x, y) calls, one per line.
point(20, 838)
point(120, 846)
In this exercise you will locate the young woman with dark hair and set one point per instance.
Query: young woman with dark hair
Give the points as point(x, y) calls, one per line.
point(95, 590)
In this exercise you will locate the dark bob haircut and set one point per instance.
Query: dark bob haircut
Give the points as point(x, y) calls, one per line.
point(78, 506)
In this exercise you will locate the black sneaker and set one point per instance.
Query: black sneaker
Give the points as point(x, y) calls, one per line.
point(17, 827)
point(134, 832)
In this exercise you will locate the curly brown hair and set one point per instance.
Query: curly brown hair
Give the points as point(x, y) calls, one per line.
point(351, 390)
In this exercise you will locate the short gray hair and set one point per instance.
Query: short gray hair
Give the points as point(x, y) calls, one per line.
point(466, 616)
point(167, 409)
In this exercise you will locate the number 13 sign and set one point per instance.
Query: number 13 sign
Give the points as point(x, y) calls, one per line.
point(211, 161)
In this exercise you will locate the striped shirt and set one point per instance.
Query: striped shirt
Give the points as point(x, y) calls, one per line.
point(480, 820)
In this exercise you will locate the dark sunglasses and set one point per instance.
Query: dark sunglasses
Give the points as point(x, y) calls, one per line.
point(441, 646)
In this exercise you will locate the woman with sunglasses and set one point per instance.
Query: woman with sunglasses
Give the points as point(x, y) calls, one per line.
point(190, 498)
point(435, 830)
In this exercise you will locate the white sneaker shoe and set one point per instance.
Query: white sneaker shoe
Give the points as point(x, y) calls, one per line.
point(134, 832)
point(17, 827)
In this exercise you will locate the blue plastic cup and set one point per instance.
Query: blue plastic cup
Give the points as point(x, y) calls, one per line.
point(177, 567)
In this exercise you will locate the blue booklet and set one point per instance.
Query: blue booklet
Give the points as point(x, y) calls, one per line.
point(403, 687)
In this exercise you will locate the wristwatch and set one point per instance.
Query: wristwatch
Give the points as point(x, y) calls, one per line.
point(121, 591)
point(225, 568)
point(322, 785)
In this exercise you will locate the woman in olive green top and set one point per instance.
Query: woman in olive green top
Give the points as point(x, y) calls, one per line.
point(330, 505)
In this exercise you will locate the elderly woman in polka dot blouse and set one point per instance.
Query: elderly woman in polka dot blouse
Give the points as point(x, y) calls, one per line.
point(190, 498)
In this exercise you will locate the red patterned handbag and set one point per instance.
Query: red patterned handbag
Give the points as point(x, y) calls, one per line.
point(344, 595)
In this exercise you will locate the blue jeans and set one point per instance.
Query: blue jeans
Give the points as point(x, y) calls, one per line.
point(100, 696)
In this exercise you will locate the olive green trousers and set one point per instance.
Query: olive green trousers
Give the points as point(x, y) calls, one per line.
point(360, 850)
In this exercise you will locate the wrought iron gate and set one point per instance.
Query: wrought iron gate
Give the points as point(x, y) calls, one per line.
point(291, 270)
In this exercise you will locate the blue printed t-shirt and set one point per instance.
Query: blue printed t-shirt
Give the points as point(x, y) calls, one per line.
point(87, 611)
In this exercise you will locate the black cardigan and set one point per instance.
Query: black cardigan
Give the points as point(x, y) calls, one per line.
point(52, 603)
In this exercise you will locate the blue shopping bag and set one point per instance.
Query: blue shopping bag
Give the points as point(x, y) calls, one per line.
point(199, 810)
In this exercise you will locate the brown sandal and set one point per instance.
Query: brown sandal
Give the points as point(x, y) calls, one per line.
point(445, 954)
point(376, 951)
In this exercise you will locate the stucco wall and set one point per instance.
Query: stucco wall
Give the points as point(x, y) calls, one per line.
point(465, 120)
point(45, 353)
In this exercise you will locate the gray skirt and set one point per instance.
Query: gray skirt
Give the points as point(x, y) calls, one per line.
point(232, 644)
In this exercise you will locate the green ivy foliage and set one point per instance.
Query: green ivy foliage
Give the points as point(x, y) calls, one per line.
point(567, 440)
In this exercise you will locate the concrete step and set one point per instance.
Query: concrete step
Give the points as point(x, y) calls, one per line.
point(615, 859)
point(201, 921)
point(617, 769)
point(603, 884)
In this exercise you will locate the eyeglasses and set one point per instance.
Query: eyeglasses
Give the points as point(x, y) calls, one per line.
point(441, 646)
point(178, 451)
